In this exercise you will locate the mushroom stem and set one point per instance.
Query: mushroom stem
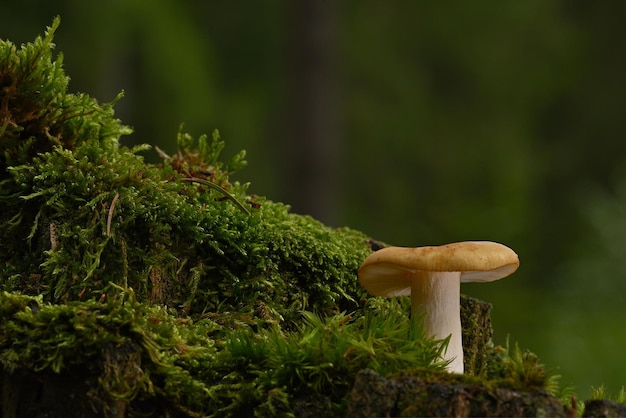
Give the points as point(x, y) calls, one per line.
point(436, 296)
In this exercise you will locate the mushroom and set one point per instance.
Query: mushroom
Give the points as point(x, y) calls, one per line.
point(432, 276)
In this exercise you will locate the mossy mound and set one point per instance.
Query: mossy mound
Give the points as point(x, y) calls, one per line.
point(125, 358)
point(80, 213)
point(137, 289)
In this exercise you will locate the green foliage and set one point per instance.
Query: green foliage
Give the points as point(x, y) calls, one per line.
point(523, 369)
point(601, 392)
point(323, 355)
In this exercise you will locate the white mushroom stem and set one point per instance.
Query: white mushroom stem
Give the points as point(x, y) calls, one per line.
point(436, 296)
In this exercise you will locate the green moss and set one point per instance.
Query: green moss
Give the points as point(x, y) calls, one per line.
point(99, 339)
point(36, 112)
point(94, 215)
point(202, 366)
point(601, 392)
point(83, 212)
point(90, 213)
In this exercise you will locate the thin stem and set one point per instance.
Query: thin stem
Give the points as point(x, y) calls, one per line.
point(219, 189)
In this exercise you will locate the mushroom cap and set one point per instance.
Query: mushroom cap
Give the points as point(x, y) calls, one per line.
point(388, 272)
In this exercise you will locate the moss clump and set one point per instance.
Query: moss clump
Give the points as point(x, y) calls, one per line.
point(92, 216)
point(37, 113)
point(117, 351)
point(80, 212)
point(144, 360)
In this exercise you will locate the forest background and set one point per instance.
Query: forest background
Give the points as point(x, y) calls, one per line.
point(419, 123)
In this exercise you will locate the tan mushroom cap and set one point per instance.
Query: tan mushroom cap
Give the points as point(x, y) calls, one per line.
point(388, 272)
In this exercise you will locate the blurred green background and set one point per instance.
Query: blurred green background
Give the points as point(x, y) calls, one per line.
point(417, 122)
